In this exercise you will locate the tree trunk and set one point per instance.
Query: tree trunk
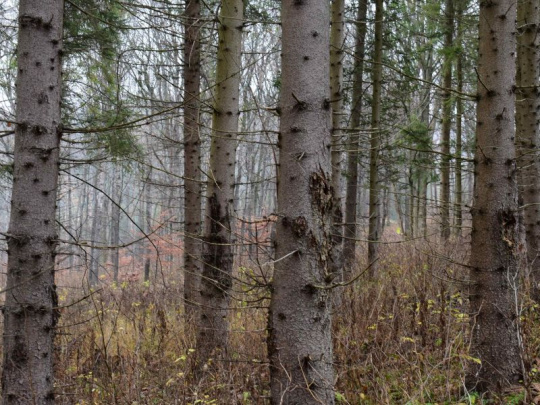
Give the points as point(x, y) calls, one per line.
point(192, 159)
point(218, 241)
point(71, 248)
point(421, 208)
point(459, 132)
point(336, 91)
point(446, 119)
point(528, 133)
point(385, 209)
point(495, 244)
point(399, 210)
point(115, 222)
point(336, 97)
point(103, 232)
point(300, 341)
point(412, 201)
point(93, 267)
point(148, 225)
point(375, 143)
point(351, 201)
point(30, 309)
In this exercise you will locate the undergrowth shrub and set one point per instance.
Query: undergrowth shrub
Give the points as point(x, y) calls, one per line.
point(400, 338)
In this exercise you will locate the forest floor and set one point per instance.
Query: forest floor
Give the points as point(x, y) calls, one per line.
point(402, 338)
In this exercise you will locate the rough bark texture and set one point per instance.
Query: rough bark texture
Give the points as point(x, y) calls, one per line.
point(192, 159)
point(495, 235)
point(336, 93)
point(300, 341)
point(336, 96)
point(528, 132)
point(375, 142)
point(446, 120)
point(30, 312)
point(353, 161)
point(218, 249)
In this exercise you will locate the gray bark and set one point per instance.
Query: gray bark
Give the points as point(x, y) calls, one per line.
point(192, 159)
point(459, 131)
point(375, 143)
point(71, 250)
point(424, 174)
point(115, 221)
point(336, 94)
point(93, 267)
point(148, 224)
point(528, 132)
point(300, 341)
point(351, 199)
point(30, 313)
point(495, 244)
point(446, 120)
point(218, 240)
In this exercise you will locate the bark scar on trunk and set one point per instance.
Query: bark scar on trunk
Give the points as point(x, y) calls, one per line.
point(321, 192)
point(323, 203)
point(509, 225)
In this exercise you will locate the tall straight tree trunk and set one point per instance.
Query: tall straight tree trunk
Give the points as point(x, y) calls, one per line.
point(528, 132)
point(459, 133)
point(30, 313)
point(192, 158)
point(115, 221)
point(351, 199)
point(300, 341)
point(71, 250)
point(148, 224)
point(495, 244)
point(446, 119)
point(411, 203)
point(104, 234)
point(421, 213)
point(218, 240)
point(375, 142)
point(336, 94)
point(400, 210)
point(93, 267)
point(385, 208)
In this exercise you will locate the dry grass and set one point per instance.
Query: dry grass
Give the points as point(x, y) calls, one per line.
point(400, 339)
